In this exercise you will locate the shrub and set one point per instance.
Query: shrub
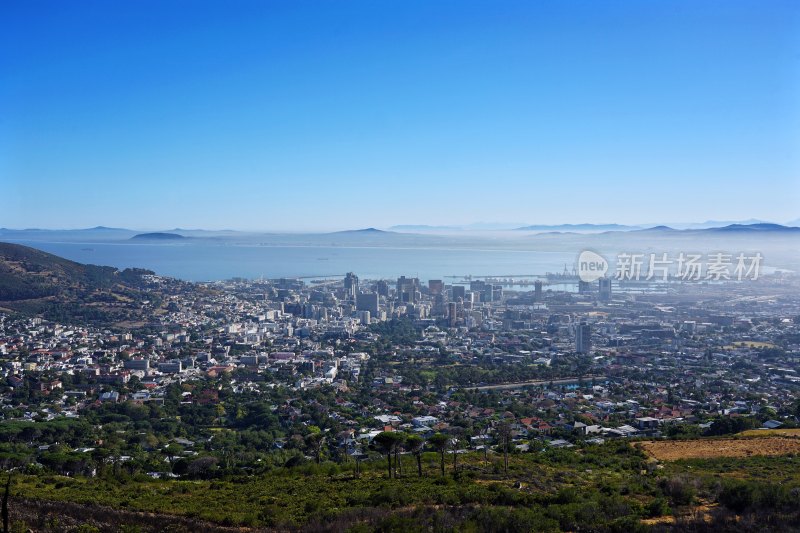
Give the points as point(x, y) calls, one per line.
point(737, 496)
point(681, 490)
point(657, 507)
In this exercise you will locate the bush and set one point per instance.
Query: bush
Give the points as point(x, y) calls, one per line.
point(681, 490)
point(657, 507)
point(737, 496)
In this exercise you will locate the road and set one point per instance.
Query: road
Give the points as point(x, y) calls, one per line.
point(539, 383)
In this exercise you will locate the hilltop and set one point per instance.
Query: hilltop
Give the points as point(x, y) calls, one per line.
point(35, 282)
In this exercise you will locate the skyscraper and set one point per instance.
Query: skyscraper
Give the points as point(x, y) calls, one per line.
point(382, 288)
point(367, 301)
point(459, 291)
point(605, 289)
point(435, 286)
point(407, 289)
point(583, 338)
point(452, 314)
point(351, 285)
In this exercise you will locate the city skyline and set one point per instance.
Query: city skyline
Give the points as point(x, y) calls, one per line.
point(314, 117)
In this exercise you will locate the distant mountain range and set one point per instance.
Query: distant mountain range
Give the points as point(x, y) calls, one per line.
point(760, 227)
point(708, 224)
point(100, 234)
point(731, 228)
point(577, 228)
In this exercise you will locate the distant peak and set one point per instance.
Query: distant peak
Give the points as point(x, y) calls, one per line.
point(364, 230)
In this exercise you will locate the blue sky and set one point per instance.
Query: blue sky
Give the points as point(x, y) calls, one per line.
point(330, 115)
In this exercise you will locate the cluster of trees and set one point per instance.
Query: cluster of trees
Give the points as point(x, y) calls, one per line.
point(729, 425)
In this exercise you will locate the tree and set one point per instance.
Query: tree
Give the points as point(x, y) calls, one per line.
point(485, 434)
point(385, 442)
point(172, 450)
point(454, 442)
point(202, 467)
point(315, 441)
point(398, 446)
point(439, 443)
point(505, 442)
point(414, 443)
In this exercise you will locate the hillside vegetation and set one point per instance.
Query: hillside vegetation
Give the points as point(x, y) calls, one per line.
point(612, 487)
point(35, 282)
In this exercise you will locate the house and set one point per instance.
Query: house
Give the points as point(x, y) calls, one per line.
point(425, 420)
point(112, 396)
point(646, 422)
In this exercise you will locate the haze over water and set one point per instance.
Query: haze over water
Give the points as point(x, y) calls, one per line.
point(209, 262)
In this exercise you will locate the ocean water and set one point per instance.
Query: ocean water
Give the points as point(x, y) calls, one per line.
point(209, 262)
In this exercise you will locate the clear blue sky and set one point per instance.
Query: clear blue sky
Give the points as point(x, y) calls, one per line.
point(330, 115)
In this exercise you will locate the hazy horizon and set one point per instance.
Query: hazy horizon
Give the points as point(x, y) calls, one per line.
point(477, 227)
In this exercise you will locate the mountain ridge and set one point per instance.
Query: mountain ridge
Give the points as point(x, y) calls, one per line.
point(38, 283)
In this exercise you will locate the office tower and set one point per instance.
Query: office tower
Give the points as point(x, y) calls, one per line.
point(382, 288)
point(583, 338)
point(605, 289)
point(435, 286)
point(351, 285)
point(497, 293)
point(459, 291)
point(452, 313)
point(584, 287)
point(407, 289)
point(368, 301)
point(439, 305)
point(537, 290)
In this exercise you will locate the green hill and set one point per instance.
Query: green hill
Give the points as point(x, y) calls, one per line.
point(35, 282)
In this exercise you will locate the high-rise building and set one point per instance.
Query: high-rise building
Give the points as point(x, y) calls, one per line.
point(351, 285)
point(459, 291)
point(435, 286)
point(439, 304)
point(605, 289)
point(452, 314)
point(407, 289)
point(382, 288)
point(583, 338)
point(537, 290)
point(368, 301)
point(363, 317)
point(497, 293)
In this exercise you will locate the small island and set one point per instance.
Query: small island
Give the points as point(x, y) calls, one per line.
point(158, 236)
